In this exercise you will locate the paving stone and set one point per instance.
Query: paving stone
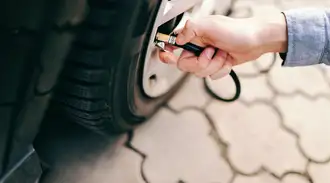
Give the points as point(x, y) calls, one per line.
point(309, 118)
point(224, 87)
point(221, 7)
point(254, 68)
point(307, 79)
point(255, 138)
point(207, 7)
point(192, 94)
point(319, 172)
point(290, 4)
point(251, 88)
point(251, 69)
point(294, 178)
point(267, 178)
point(125, 168)
point(246, 70)
point(179, 147)
point(255, 89)
point(326, 70)
point(241, 9)
point(115, 163)
point(261, 178)
point(266, 62)
point(260, 10)
point(256, 2)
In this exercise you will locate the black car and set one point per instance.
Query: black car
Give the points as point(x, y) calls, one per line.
point(92, 61)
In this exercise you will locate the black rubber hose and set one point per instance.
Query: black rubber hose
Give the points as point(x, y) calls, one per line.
point(232, 74)
point(237, 92)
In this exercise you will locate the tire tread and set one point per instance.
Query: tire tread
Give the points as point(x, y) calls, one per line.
point(84, 84)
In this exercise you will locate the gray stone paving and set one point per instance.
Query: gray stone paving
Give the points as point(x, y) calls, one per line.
point(277, 132)
point(173, 144)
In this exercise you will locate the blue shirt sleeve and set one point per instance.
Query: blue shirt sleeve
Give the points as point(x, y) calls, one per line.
point(308, 37)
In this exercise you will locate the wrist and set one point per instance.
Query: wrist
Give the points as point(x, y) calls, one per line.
point(272, 34)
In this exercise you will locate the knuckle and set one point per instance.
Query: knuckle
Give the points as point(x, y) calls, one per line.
point(202, 64)
point(188, 24)
point(190, 27)
point(199, 75)
point(181, 66)
point(219, 62)
point(220, 58)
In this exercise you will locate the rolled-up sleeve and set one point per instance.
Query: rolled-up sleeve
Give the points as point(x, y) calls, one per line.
point(308, 37)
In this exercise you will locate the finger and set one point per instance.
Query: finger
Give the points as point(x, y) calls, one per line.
point(177, 31)
point(216, 64)
point(232, 60)
point(170, 48)
point(225, 70)
point(186, 61)
point(190, 63)
point(188, 33)
point(168, 57)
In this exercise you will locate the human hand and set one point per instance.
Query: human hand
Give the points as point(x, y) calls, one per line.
point(237, 40)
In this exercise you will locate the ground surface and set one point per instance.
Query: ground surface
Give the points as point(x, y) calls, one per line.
point(277, 132)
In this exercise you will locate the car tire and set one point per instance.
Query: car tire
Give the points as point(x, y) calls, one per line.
point(100, 86)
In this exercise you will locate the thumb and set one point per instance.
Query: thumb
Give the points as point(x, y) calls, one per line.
point(188, 33)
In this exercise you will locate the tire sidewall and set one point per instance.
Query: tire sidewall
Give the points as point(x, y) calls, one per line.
point(131, 105)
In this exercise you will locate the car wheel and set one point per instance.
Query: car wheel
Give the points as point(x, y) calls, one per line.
point(113, 79)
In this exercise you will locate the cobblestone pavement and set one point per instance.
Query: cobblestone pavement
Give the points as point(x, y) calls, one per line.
point(277, 132)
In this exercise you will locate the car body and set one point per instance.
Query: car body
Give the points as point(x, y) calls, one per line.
point(37, 38)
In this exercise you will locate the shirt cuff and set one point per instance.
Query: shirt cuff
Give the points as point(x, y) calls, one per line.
point(306, 37)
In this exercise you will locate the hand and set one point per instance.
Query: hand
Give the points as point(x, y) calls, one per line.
point(237, 40)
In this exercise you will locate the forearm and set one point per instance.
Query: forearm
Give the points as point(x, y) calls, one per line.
point(303, 34)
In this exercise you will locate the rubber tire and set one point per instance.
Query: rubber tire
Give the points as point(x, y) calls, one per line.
point(100, 86)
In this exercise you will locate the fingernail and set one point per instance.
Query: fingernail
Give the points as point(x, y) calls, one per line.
point(179, 40)
point(167, 59)
point(170, 60)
